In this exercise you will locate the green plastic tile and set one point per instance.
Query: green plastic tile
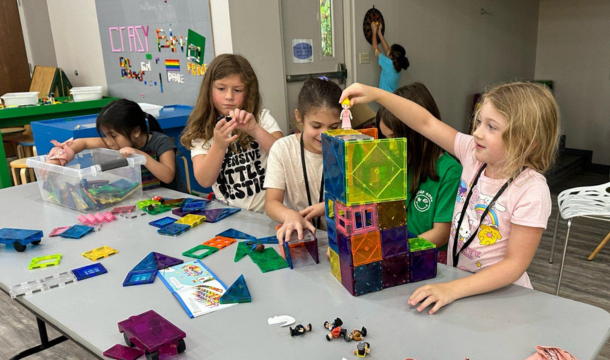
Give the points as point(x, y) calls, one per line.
point(44, 261)
point(192, 252)
point(419, 244)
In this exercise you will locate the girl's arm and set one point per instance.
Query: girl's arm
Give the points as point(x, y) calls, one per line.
point(386, 48)
point(375, 47)
point(79, 145)
point(520, 251)
point(439, 234)
point(246, 123)
point(206, 167)
point(290, 219)
point(164, 169)
point(415, 116)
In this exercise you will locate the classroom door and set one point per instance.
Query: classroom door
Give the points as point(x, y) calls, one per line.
point(313, 45)
point(14, 69)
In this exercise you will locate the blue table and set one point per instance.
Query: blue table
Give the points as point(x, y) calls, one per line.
point(172, 119)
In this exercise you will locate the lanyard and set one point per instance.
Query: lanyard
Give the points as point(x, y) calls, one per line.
point(456, 253)
point(316, 222)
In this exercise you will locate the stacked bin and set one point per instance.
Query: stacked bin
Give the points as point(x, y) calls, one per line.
point(365, 198)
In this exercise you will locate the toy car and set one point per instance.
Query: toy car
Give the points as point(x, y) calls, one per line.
point(153, 334)
point(19, 238)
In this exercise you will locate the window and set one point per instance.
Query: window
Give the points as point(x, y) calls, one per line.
point(326, 24)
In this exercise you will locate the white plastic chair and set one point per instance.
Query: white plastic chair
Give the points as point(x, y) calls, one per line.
point(591, 202)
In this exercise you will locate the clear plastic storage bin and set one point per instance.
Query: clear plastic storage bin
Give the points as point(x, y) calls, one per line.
point(95, 179)
point(86, 93)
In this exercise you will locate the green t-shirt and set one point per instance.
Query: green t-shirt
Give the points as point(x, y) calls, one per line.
point(435, 200)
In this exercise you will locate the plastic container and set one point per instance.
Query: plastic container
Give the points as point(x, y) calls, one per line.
point(86, 93)
point(20, 98)
point(94, 180)
point(151, 109)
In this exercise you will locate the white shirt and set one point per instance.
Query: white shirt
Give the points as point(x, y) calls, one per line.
point(241, 177)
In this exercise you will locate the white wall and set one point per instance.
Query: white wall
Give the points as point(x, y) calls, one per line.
point(221, 27)
point(573, 51)
point(77, 42)
point(256, 35)
point(453, 49)
point(37, 35)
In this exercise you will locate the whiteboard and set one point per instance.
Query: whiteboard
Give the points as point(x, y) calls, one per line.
point(128, 29)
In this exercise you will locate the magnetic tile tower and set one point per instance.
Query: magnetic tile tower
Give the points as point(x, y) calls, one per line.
point(365, 181)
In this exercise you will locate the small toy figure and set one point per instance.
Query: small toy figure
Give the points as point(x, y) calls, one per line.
point(362, 349)
point(300, 330)
point(357, 335)
point(254, 246)
point(335, 329)
point(346, 115)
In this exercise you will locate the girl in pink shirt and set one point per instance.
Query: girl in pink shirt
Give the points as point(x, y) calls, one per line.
point(502, 196)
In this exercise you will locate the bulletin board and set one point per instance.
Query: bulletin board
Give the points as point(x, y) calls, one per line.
point(155, 51)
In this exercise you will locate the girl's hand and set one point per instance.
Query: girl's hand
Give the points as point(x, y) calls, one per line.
point(245, 120)
point(293, 222)
point(360, 94)
point(127, 151)
point(379, 28)
point(374, 27)
point(222, 133)
point(313, 211)
point(440, 294)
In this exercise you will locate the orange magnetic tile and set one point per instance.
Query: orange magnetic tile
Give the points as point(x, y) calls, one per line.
point(219, 242)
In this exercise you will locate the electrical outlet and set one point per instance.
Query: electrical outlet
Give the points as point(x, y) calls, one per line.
point(364, 58)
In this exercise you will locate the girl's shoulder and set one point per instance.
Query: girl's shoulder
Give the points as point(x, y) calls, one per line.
point(286, 145)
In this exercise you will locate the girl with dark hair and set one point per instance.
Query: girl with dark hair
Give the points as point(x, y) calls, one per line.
point(392, 60)
point(294, 171)
point(123, 126)
point(433, 175)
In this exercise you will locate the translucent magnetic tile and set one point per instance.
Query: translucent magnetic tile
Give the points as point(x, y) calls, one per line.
point(152, 331)
point(214, 215)
point(76, 231)
point(156, 209)
point(89, 271)
point(366, 248)
point(100, 253)
point(174, 202)
point(200, 251)
point(335, 267)
point(26, 288)
point(123, 209)
point(140, 277)
point(162, 222)
point(219, 242)
point(22, 235)
point(174, 229)
point(122, 352)
point(194, 206)
point(419, 244)
point(268, 240)
point(236, 293)
point(44, 261)
point(57, 280)
point(191, 220)
point(392, 214)
point(268, 260)
point(144, 203)
point(236, 234)
point(242, 250)
point(149, 263)
point(164, 261)
point(339, 132)
point(58, 230)
point(375, 170)
point(333, 159)
point(181, 213)
point(372, 132)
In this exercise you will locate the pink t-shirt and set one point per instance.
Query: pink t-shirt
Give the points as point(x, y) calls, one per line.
point(526, 201)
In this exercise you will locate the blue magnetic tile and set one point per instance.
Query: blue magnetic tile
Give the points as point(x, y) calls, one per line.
point(236, 293)
point(77, 231)
point(140, 278)
point(194, 206)
point(268, 240)
point(174, 229)
point(122, 184)
point(236, 234)
point(163, 222)
point(147, 264)
point(89, 271)
point(9, 235)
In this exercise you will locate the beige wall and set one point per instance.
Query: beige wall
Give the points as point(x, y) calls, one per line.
point(256, 35)
point(574, 52)
point(453, 49)
point(77, 41)
point(37, 34)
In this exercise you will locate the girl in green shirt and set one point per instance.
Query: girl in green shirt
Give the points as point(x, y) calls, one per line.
point(433, 175)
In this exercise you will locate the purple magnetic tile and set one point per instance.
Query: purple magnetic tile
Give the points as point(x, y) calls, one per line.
point(122, 352)
point(164, 261)
point(345, 248)
point(395, 270)
point(181, 213)
point(214, 215)
point(368, 278)
point(153, 332)
point(347, 276)
point(423, 264)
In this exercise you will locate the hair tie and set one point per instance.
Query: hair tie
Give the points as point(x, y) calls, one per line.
point(323, 78)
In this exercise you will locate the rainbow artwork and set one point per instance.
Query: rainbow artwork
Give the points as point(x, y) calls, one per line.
point(491, 215)
point(172, 65)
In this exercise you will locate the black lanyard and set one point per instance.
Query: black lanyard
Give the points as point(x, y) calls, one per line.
point(316, 222)
point(456, 253)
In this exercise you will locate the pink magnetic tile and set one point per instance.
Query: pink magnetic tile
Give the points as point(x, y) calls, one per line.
point(83, 219)
point(58, 230)
point(122, 352)
point(99, 217)
point(123, 209)
point(109, 217)
point(91, 219)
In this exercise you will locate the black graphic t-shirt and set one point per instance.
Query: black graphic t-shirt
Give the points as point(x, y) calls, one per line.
point(241, 178)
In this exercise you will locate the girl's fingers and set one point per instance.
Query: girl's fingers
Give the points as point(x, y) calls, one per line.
point(429, 300)
point(439, 304)
point(310, 227)
point(232, 138)
point(220, 124)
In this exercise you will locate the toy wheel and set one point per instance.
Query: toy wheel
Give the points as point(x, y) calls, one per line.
point(181, 346)
point(37, 242)
point(152, 356)
point(127, 341)
point(19, 246)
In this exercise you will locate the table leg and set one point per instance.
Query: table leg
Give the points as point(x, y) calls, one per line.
point(563, 257)
point(44, 339)
point(5, 177)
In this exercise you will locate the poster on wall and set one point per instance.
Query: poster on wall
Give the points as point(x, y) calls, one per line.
point(302, 51)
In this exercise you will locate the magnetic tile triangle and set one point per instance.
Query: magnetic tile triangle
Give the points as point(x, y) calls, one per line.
point(268, 240)
point(148, 263)
point(236, 234)
point(237, 293)
point(241, 252)
point(164, 261)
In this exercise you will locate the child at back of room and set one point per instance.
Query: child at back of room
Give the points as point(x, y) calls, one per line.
point(229, 135)
point(294, 172)
point(123, 126)
point(433, 175)
point(392, 60)
point(500, 216)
